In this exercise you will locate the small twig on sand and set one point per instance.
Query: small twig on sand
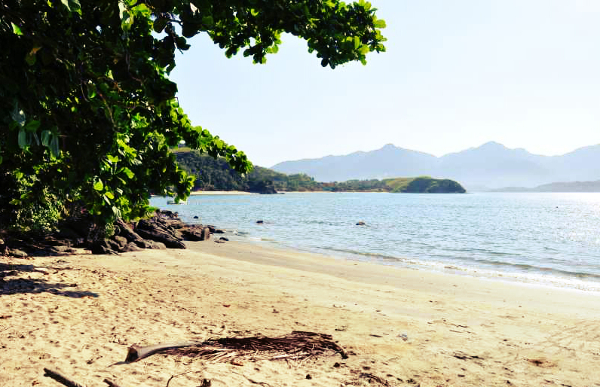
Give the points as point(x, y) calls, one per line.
point(183, 373)
point(60, 378)
point(253, 381)
point(111, 383)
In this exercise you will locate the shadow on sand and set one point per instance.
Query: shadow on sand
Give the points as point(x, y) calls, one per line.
point(14, 280)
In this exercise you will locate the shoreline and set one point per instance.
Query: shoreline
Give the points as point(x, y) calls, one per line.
point(200, 193)
point(402, 326)
point(537, 280)
point(396, 276)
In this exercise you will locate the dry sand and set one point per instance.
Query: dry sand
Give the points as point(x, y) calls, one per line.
point(82, 315)
point(199, 193)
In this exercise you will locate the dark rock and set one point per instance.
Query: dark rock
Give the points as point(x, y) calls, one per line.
point(196, 217)
point(62, 250)
point(224, 239)
point(160, 229)
point(57, 241)
point(217, 231)
point(127, 232)
point(259, 222)
point(114, 245)
point(211, 228)
point(156, 245)
point(102, 247)
point(79, 242)
point(131, 246)
point(159, 235)
point(121, 242)
point(168, 214)
point(16, 253)
point(195, 233)
point(143, 244)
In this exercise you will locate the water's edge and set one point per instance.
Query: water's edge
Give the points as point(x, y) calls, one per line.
point(549, 240)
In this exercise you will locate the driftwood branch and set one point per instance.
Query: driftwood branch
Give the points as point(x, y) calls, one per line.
point(135, 352)
point(298, 345)
point(60, 378)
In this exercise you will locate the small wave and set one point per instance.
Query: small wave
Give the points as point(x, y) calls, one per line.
point(542, 269)
point(522, 273)
point(363, 254)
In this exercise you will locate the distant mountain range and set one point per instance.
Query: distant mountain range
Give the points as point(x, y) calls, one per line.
point(576, 186)
point(489, 166)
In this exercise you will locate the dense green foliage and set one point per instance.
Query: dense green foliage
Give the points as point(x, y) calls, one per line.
point(215, 174)
point(87, 113)
point(423, 184)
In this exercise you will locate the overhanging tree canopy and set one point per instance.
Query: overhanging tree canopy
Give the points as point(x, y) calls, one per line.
point(88, 113)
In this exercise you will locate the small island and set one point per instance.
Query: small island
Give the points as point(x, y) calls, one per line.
point(216, 175)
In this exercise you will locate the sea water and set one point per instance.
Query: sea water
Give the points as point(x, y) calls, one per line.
point(541, 238)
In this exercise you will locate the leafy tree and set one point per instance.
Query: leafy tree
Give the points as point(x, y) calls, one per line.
point(88, 113)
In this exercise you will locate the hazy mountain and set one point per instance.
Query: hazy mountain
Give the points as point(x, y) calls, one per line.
point(574, 186)
point(490, 165)
point(387, 162)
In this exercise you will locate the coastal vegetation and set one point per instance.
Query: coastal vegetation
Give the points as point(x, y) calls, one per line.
point(215, 174)
point(89, 115)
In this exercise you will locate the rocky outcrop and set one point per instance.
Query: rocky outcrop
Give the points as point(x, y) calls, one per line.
point(161, 231)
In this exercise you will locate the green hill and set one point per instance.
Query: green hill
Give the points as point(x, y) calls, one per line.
point(216, 175)
point(423, 184)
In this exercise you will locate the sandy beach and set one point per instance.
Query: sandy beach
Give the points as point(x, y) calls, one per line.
point(401, 327)
point(199, 193)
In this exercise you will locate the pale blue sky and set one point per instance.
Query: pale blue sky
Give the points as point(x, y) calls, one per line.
point(525, 73)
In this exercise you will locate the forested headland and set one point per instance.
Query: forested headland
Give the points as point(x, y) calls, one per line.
point(216, 175)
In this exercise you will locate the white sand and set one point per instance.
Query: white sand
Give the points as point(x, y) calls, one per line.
point(461, 331)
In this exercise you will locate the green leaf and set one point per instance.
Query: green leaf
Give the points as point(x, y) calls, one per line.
point(66, 4)
point(116, 212)
point(16, 29)
point(32, 125)
point(54, 149)
point(30, 59)
point(91, 91)
point(98, 185)
point(74, 5)
point(46, 137)
point(380, 23)
point(110, 195)
point(159, 24)
point(129, 173)
point(18, 115)
point(208, 21)
point(113, 159)
point(22, 139)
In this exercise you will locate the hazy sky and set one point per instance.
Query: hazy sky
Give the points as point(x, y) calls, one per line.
point(456, 74)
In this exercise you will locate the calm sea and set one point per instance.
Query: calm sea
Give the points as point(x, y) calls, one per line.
point(540, 238)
